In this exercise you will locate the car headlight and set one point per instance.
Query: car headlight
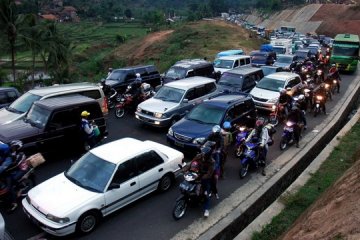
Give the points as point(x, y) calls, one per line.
point(274, 100)
point(57, 219)
point(170, 132)
point(199, 140)
point(158, 115)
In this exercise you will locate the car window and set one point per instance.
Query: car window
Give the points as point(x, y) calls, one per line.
point(235, 112)
point(125, 171)
point(63, 119)
point(130, 76)
point(236, 64)
point(200, 91)
point(249, 82)
point(190, 73)
point(147, 161)
point(247, 60)
point(93, 109)
point(3, 98)
point(94, 94)
point(242, 62)
point(190, 95)
point(292, 83)
point(210, 87)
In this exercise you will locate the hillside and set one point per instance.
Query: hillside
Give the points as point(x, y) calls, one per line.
point(328, 19)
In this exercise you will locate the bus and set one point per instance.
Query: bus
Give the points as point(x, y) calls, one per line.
point(345, 52)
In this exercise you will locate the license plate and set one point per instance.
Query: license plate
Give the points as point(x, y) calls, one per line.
point(179, 144)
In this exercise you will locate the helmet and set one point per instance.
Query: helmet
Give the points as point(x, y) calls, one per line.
point(137, 75)
point(103, 81)
point(194, 166)
point(283, 91)
point(260, 122)
point(301, 97)
point(206, 152)
point(226, 125)
point(333, 65)
point(85, 114)
point(216, 129)
point(16, 144)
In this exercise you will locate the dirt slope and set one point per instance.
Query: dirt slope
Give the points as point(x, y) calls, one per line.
point(336, 215)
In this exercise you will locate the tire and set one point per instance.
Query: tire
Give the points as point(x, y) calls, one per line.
point(243, 170)
point(119, 112)
point(165, 183)
point(87, 222)
point(283, 143)
point(179, 209)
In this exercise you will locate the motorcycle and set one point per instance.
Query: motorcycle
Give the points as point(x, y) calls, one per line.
point(288, 136)
point(250, 157)
point(112, 98)
point(278, 114)
point(240, 139)
point(335, 83)
point(318, 104)
point(319, 76)
point(328, 87)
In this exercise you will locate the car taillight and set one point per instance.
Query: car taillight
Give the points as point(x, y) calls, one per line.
point(105, 108)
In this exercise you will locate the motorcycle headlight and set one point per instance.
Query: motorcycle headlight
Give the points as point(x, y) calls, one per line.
point(319, 98)
point(242, 129)
point(307, 76)
point(327, 56)
point(199, 140)
point(57, 219)
point(289, 124)
point(158, 115)
point(170, 132)
point(273, 107)
point(334, 81)
point(319, 72)
point(327, 85)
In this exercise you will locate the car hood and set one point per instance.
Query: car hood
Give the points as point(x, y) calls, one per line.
point(264, 94)
point(58, 196)
point(17, 130)
point(222, 70)
point(192, 129)
point(283, 65)
point(157, 105)
point(7, 116)
point(111, 83)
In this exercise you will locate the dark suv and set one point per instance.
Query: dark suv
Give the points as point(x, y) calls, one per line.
point(120, 78)
point(53, 124)
point(259, 58)
point(8, 95)
point(189, 68)
point(191, 132)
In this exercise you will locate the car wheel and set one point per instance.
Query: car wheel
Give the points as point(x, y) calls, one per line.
point(87, 222)
point(165, 183)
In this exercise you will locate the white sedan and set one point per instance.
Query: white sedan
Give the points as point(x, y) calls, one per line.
point(103, 180)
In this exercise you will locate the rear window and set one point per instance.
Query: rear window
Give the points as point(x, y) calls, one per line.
point(94, 94)
point(230, 79)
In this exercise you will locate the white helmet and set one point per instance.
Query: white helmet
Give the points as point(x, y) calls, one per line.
point(301, 97)
point(137, 75)
point(216, 129)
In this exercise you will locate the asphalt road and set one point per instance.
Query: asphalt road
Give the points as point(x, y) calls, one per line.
point(150, 217)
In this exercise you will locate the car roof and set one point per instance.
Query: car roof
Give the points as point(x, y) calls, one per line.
point(268, 66)
point(302, 50)
point(190, 82)
point(189, 63)
point(233, 57)
point(63, 88)
point(120, 150)
point(259, 53)
point(282, 75)
point(8, 88)
point(285, 55)
point(225, 100)
point(61, 101)
point(133, 67)
point(244, 70)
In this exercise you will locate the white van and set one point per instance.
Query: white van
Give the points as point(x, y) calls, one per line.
point(226, 63)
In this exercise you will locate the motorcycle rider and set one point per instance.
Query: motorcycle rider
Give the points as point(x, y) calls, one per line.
point(295, 117)
point(285, 100)
point(5, 157)
point(322, 92)
point(135, 89)
point(334, 74)
point(106, 88)
point(207, 171)
point(302, 105)
point(87, 129)
point(227, 138)
point(261, 133)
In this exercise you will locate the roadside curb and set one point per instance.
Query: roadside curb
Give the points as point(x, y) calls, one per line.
point(236, 212)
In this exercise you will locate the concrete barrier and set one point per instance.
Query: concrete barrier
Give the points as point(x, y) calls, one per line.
point(236, 212)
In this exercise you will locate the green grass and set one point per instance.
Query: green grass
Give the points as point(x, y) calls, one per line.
point(341, 159)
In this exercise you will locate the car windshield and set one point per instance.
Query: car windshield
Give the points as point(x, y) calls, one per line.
point(176, 73)
point(301, 54)
point(206, 114)
point(279, 50)
point(270, 84)
point(230, 79)
point(220, 63)
point(118, 75)
point(23, 103)
point(284, 59)
point(38, 116)
point(350, 51)
point(170, 94)
point(268, 70)
point(91, 172)
point(258, 57)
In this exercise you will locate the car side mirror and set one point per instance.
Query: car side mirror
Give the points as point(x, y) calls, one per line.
point(288, 89)
point(185, 100)
point(114, 186)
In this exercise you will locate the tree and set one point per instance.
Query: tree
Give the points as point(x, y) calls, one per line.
point(128, 13)
point(10, 22)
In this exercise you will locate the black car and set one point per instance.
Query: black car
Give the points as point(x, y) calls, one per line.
point(259, 58)
point(189, 68)
point(240, 79)
point(8, 95)
point(53, 124)
point(302, 54)
point(120, 78)
point(191, 131)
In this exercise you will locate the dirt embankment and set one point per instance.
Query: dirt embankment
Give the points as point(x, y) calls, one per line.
point(336, 215)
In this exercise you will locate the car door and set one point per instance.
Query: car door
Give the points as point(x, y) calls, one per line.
point(293, 84)
point(238, 114)
point(150, 168)
point(126, 177)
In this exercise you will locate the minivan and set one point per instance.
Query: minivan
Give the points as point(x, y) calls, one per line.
point(240, 79)
point(120, 78)
point(54, 122)
point(174, 100)
point(8, 95)
point(223, 64)
point(21, 106)
point(259, 58)
point(189, 68)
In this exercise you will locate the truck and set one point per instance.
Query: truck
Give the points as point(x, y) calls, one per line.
point(282, 46)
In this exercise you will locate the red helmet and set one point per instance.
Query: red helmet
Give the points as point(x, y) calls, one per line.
point(260, 122)
point(194, 166)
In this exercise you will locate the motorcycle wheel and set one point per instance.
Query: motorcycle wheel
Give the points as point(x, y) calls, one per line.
point(243, 170)
point(316, 112)
point(283, 143)
point(119, 112)
point(179, 209)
